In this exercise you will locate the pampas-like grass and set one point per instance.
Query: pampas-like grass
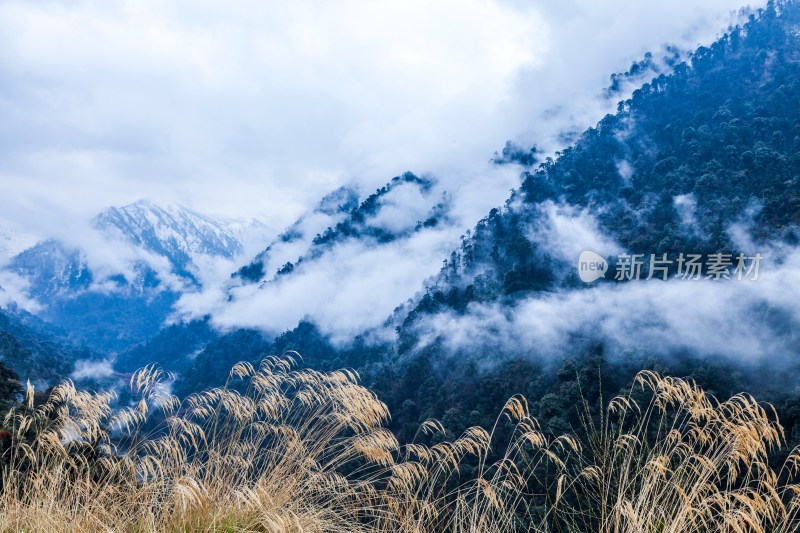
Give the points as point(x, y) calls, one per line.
point(281, 449)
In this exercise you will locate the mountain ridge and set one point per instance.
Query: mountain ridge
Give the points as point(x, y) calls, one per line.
point(160, 248)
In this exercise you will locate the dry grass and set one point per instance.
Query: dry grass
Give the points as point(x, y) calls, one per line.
point(299, 450)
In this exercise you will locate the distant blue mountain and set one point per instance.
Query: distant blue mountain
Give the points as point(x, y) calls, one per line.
point(113, 311)
point(52, 269)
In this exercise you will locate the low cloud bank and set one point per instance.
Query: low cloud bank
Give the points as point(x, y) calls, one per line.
point(85, 369)
point(14, 292)
point(746, 321)
point(357, 283)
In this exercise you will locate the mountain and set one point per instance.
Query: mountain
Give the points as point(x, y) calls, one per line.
point(296, 240)
point(701, 160)
point(377, 219)
point(37, 351)
point(158, 250)
point(174, 347)
point(52, 268)
point(175, 233)
point(406, 207)
point(704, 160)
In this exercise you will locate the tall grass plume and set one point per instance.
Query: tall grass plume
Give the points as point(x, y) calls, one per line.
point(280, 448)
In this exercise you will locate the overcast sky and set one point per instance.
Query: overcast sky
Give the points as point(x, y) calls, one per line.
point(256, 108)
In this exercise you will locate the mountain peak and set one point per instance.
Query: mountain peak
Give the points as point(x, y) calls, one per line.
point(173, 231)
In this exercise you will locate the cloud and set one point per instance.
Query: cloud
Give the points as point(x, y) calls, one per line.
point(357, 283)
point(747, 321)
point(14, 291)
point(744, 321)
point(401, 208)
point(588, 41)
point(255, 109)
point(565, 231)
point(109, 256)
point(13, 241)
point(279, 102)
point(86, 369)
point(344, 292)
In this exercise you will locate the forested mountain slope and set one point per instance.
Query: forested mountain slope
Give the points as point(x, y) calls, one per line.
point(36, 351)
point(703, 160)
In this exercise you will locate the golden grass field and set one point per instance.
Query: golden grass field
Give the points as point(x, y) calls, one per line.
point(283, 449)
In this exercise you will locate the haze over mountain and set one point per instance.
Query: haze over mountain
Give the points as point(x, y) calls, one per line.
point(617, 275)
point(232, 142)
point(349, 275)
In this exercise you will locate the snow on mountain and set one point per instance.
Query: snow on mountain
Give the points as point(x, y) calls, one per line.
point(13, 242)
point(176, 233)
point(118, 287)
point(51, 267)
point(179, 235)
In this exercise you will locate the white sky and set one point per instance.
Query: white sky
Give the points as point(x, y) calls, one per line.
point(257, 108)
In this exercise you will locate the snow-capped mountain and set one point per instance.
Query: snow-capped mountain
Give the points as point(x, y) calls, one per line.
point(158, 252)
point(179, 235)
point(174, 232)
point(51, 267)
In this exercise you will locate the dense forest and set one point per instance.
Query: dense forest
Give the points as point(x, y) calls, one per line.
point(40, 349)
point(721, 131)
